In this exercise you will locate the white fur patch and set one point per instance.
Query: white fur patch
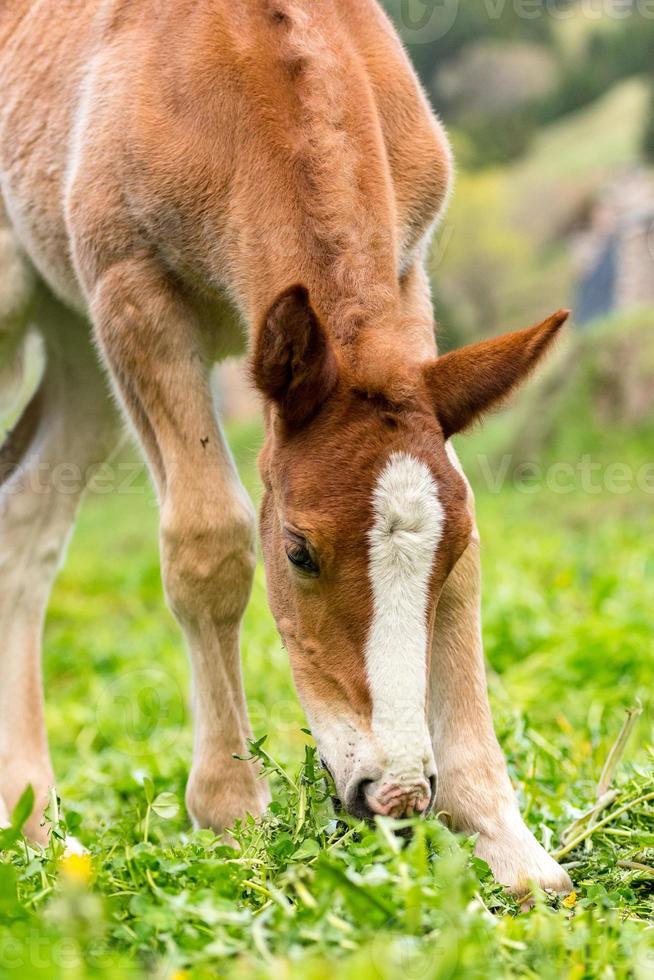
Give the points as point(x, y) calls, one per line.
point(408, 527)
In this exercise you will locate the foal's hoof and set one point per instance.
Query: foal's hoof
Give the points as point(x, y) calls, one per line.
point(522, 864)
point(216, 804)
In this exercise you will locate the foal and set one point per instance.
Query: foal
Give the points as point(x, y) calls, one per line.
point(168, 172)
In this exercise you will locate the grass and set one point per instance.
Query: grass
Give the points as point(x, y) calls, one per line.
point(569, 639)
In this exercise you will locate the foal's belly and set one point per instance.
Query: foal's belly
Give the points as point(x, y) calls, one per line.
point(42, 53)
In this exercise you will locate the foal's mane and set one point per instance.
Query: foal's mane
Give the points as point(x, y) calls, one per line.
point(344, 241)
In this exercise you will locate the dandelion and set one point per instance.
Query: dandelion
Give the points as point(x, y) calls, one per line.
point(76, 868)
point(570, 900)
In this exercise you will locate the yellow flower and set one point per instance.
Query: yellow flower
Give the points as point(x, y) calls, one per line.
point(76, 868)
point(180, 975)
point(570, 900)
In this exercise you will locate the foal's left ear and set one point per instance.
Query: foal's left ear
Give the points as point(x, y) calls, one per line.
point(293, 362)
point(470, 381)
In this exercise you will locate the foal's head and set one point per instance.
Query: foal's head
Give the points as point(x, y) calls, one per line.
point(364, 516)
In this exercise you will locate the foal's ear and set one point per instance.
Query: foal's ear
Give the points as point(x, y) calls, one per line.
point(293, 363)
point(470, 381)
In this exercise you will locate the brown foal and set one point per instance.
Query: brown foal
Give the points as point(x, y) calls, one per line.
point(171, 174)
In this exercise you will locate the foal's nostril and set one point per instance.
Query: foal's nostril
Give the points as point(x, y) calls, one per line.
point(361, 808)
point(433, 786)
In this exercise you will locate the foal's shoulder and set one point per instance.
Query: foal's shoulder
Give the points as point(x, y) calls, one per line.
point(417, 146)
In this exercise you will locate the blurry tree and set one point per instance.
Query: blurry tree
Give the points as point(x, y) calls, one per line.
point(440, 34)
point(435, 31)
point(497, 138)
point(609, 56)
point(495, 76)
point(491, 87)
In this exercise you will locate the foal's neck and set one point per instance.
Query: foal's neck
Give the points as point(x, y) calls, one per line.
point(352, 280)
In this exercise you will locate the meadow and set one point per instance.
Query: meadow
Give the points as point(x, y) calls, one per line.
point(569, 583)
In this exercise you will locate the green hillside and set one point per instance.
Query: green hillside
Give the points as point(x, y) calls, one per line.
point(502, 258)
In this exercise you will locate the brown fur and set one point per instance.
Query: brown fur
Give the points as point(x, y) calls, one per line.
point(466, 383)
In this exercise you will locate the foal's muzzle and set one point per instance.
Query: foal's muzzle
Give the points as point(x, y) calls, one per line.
point(369, 798)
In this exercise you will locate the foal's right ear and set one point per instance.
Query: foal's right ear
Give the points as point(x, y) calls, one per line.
point(293, 363)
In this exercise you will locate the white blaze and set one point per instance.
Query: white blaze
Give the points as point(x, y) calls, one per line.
point(407, 529)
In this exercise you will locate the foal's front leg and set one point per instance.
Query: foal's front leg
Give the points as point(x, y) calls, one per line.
point(473, 784)
point(149, 340)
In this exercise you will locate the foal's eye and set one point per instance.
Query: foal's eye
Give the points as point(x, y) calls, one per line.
point(300, 557)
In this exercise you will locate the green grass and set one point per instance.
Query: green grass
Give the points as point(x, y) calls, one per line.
point(569, 583)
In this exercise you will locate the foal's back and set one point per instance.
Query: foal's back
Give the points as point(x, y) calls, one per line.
point(168, 120)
